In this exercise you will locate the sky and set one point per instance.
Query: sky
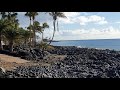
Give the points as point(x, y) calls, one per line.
point(79, 25)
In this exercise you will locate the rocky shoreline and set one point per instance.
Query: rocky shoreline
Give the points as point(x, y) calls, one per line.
point(78, 63)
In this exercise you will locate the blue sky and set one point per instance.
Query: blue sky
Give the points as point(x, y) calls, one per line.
point(80, 25)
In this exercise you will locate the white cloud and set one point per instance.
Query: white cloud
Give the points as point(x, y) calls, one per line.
point(117, 22)
point(71, 14)
point(66, 21)
point(74, 17)
point(83, 20)
point(78, 34)
point(102, 22)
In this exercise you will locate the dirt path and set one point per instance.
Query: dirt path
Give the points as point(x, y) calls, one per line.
point(7, 58)
point(9, 62)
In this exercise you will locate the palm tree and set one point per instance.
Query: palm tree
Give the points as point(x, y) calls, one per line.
point(37, 27)
point(29, 14)
point(55, 16)
point(11, 16)
point(11, 30)
point(24, 35)
point(34, 14)
point(2, 27)
point(43, 27)
point(11, 34)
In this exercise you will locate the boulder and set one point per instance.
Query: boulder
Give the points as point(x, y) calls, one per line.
point(2, 72)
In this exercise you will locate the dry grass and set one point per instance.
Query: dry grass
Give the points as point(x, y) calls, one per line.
point(50, 47)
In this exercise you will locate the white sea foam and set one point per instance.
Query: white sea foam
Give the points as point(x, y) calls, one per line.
point(79, 47)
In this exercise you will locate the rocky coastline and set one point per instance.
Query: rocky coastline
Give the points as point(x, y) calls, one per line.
point(78, 63)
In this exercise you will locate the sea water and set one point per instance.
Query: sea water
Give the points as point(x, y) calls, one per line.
point(112, 44)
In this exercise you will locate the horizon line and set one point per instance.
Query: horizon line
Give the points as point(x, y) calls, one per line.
point(88, 39)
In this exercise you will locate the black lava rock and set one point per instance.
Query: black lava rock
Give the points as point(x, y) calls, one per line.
point(79, 63)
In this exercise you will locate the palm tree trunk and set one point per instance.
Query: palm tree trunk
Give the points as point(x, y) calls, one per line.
point(53, 32)
point(1, 46)
point(11, 46)
point(34, 39)
point(30, 33)
point(42, 36)
point(25, 42)
point(34, 36)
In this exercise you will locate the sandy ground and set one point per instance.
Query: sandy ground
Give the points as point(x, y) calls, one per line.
point(7, 58)
point(10, 62)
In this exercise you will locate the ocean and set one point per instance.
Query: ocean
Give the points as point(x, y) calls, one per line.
point(112, 44)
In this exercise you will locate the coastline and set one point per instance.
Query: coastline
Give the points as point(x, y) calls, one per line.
point(77, 63)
